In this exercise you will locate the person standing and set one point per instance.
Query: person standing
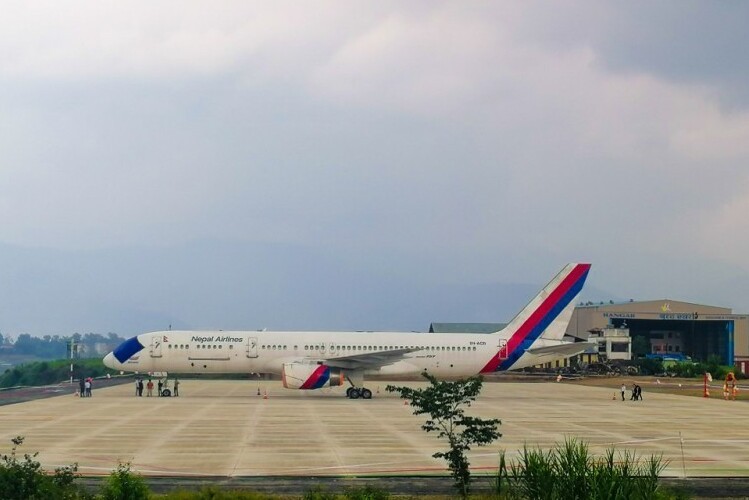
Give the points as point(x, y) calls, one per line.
point(161, 386)
point(176, 387)
point(149, 388)
point(140, 387)
point(137, 387)
point(81, 387)
point(87, 386)
point(624, 389)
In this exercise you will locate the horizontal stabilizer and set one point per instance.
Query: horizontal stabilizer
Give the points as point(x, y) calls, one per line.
point(563, 350)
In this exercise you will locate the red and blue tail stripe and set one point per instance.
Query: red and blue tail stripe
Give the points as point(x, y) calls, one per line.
point(318, 378)
point(540, 319)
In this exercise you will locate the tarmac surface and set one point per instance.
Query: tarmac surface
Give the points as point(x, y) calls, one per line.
point(223, 428)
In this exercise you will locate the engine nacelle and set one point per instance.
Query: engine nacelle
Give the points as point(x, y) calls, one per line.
point(306, 376)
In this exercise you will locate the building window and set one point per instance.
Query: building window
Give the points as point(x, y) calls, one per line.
point(619, 347)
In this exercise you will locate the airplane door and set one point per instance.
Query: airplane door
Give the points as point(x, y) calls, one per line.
point(156, 342)
point(252, 347)
point(502, 349)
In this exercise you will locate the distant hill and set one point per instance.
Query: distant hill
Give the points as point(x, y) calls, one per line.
point(227, 285)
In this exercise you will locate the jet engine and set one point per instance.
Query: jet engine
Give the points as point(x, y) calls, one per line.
point(307, 376)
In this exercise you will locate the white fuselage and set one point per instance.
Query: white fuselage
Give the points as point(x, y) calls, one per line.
point(444, 355)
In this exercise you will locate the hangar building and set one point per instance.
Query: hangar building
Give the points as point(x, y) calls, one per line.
point(672, 327)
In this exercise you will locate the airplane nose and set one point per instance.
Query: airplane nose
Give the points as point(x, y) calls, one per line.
point(109, 361)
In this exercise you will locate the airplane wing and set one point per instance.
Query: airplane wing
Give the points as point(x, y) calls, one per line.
point(568, 349)
point(366, 360)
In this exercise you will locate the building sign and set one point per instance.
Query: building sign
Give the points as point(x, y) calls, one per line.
point(681, 316)
point(619, 315)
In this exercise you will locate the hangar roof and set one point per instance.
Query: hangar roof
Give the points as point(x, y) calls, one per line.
point(661, 305)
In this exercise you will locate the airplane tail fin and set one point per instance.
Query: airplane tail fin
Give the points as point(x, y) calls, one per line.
point(546, 316)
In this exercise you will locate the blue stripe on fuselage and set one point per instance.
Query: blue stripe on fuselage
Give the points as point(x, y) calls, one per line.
point(127, 349)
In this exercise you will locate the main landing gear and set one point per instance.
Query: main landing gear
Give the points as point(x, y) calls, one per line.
point(356, 393)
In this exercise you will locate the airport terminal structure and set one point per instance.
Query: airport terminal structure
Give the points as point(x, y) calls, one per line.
point(671, 328)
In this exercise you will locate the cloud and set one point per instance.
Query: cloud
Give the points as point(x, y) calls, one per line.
point(467, 140)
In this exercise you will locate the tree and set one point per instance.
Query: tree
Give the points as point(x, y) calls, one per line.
point(444, 402)
point(640, 346)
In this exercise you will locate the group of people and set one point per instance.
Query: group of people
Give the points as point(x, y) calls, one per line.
point(162, 386)
point(84, 387)
point(636, 392)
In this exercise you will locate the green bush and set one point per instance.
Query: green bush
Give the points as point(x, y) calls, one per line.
point(569, 471)
point(649, 366)
point(24, 479)
point(318, 493)
point(214, 493)
point(123, 484)
point(367, 492)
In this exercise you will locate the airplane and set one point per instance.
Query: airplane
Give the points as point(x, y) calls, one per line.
point(313, 360)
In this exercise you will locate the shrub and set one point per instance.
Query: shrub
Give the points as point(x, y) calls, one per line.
point(569, 471)
point(318, 493)
point(25, 479)
point(367, 492)
point(123, 484)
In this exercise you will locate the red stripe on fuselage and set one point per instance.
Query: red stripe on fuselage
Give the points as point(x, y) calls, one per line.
point(536, 316)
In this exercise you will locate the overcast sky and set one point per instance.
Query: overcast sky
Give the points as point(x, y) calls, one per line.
point(446, 143)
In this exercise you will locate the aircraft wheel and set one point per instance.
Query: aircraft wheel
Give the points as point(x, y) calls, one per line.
point(348, 392)
point(354, 393)
point(166, 393)
point(366, 394)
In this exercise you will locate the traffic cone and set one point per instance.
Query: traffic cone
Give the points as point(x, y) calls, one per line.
point(265, 396)
point(258, 390)
point(614, 398)
point(378, 389)
point(405, 403)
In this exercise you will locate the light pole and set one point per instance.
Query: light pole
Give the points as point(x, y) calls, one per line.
point(73, 346)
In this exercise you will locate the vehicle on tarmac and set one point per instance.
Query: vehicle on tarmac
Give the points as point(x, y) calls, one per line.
point(313, 360)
